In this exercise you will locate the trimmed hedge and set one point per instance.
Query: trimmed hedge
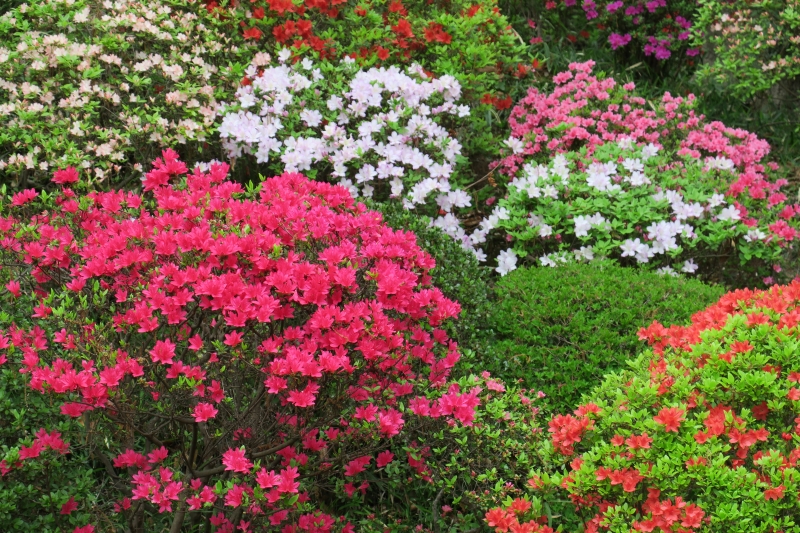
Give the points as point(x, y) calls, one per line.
point(560, 329)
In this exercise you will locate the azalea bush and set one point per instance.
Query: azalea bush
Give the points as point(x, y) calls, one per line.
point(700, 434)
point(561, 330)
point(242, 357)
point(103, 86)
point(381, 133)
point(755, 46)
point(595, 175)
point(469, 40)
point(585, 109)
point(644, 208)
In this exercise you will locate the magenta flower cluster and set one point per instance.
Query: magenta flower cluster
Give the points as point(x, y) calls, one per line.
point(650, 22)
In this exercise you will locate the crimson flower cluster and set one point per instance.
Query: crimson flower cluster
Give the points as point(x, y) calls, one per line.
point(271, 340)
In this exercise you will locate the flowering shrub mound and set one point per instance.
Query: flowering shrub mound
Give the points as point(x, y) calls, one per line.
point(645, 207)
point(560, 330)
point(238, 354)
point(658, 187)
point(380, 132)
point(78, 88)
point(756, 45)
point(584, 110)
point(701, 434)
point(469, 40)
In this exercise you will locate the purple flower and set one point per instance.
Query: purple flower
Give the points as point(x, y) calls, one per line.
point(618, 40)
point(692, 51)
point(683, 36)
point(659, 47)
point(613, 6)
point(633, 10)
point(682, 22)
point(652, 5)
point(569, 3)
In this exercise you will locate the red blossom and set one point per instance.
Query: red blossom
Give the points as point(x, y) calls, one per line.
point(65, 176)
point(774, 493)
point(435, 33)
point(69, 507)
point(403, 29)
point(670, 418)
point(204, 412)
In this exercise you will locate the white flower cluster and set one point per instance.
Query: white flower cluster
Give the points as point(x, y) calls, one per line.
point(384, 125)
point(620, 179)
point(663, 235)
point(604, 178)
point(583, 224)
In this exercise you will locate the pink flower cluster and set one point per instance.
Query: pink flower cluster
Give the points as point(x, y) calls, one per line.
point(297, 287)
point(42, 441)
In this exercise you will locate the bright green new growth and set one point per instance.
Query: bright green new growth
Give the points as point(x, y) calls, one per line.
point(559, 330)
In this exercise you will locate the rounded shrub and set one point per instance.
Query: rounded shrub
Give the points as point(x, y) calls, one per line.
point(701, 434)
point(597, 174)
point(469, 40)
point(382, 132)
point(560, 330)
point(241, 357)
point(588, 110)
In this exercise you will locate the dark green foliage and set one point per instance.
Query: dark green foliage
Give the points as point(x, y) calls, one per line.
point(8, 5)
point(458, 274)
point(560, 330)
point(31, 496)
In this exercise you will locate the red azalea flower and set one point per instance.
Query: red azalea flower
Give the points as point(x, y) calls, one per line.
point(397, 7)
point(252, 33)
point(670, 418)
point(403, 29)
